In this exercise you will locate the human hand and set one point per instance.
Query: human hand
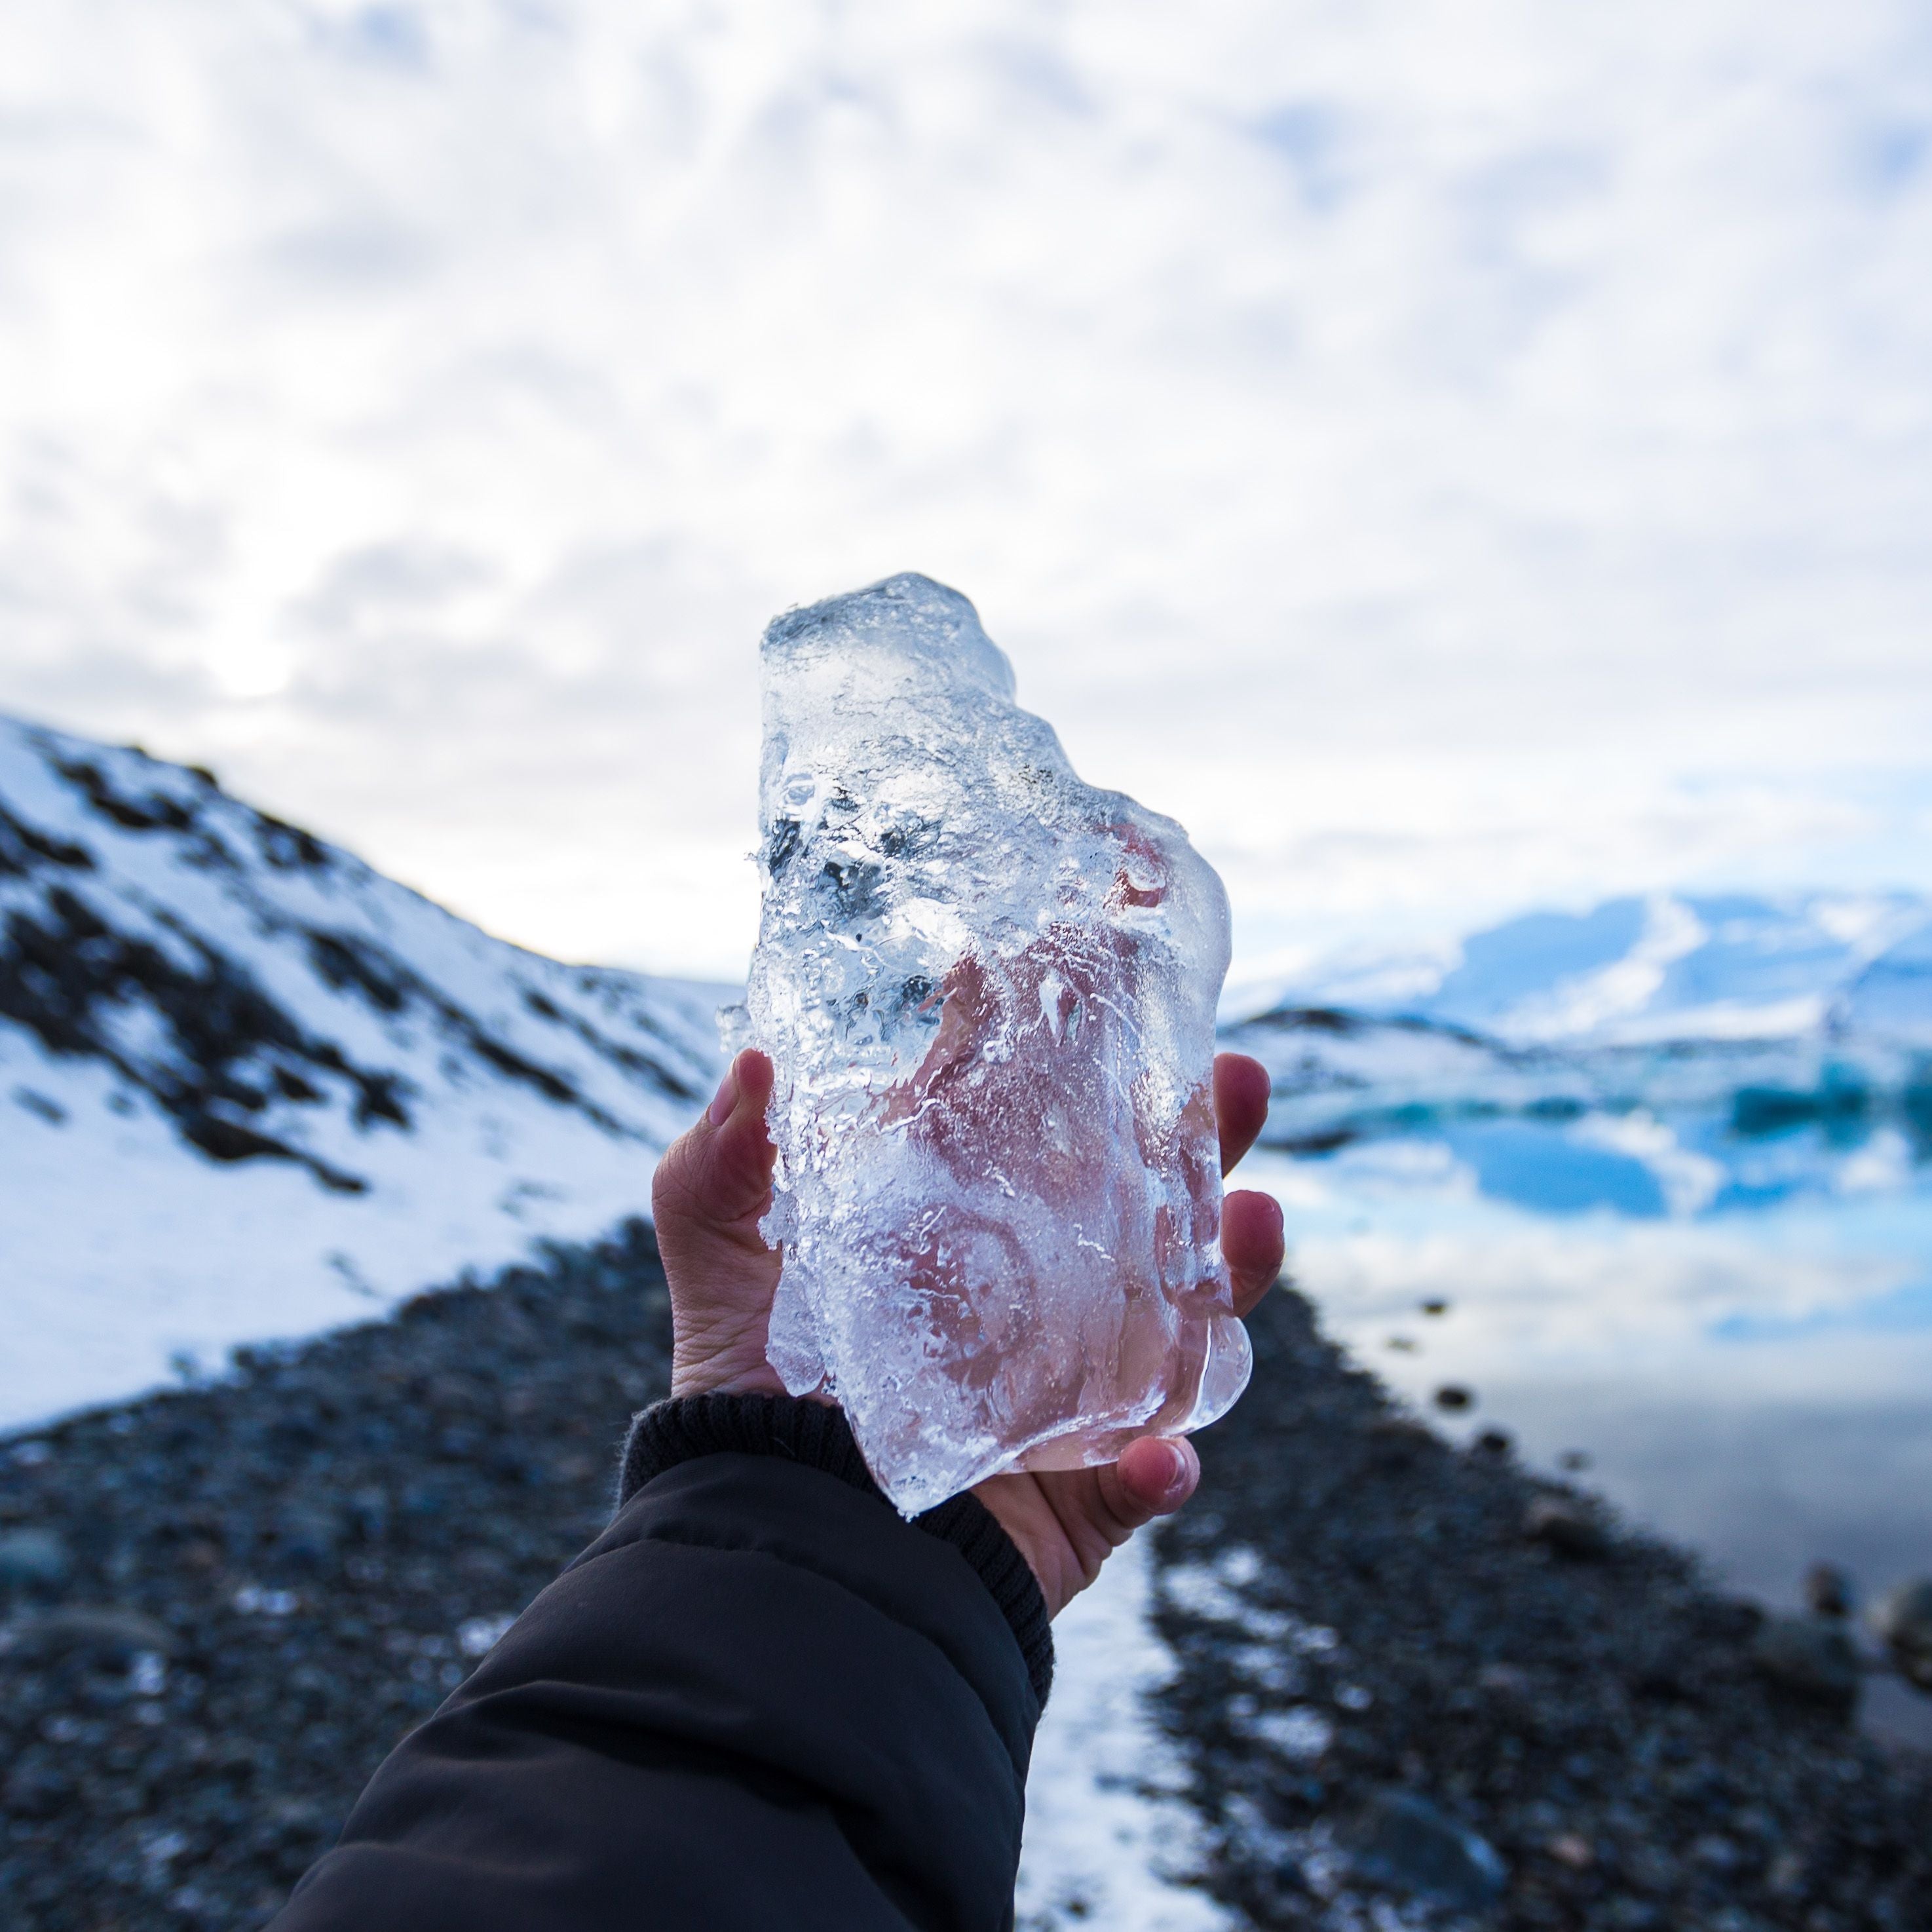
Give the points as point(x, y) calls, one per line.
point(1067, 1523)
point(714, 1185)
point(712, 1188)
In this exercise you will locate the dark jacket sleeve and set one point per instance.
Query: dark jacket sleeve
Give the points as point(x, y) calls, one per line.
point(760, 1699)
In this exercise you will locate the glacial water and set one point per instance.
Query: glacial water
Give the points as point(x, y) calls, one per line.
point(1723, 1325)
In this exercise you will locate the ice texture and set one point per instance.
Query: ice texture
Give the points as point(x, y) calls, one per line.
point(989, 991)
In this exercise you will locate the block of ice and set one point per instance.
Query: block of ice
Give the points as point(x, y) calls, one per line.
point(988, 990)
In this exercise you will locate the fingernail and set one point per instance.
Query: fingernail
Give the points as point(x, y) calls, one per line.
point(1176, 1469)
point(726, 1098)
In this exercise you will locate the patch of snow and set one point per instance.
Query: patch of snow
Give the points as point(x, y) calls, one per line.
point(1300, 1733)
point(1108, 1840)
point(1584, 1004)
point(1892, 997)
point(1722, 1020)
point(1212, 1592)
point(477, 1637)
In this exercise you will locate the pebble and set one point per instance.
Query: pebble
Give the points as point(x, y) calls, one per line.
point(109, 1633)
point(306, 1538)
point(1813, 1657)
point(33, 1557)
point(1399, 1440)
point(1401, 1839)
point(1903, 1619)
point(1565, 1525)
point(1717, 1853)
point(1571, 1849)
point(1300, 1734)
point(1828, 1590)
point(1507, 1680)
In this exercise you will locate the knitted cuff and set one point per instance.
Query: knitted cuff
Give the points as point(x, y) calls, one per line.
point(817, 1434)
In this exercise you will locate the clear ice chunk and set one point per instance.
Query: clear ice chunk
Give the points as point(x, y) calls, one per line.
point(989, 991)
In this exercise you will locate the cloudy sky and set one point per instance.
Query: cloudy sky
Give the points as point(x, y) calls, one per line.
point(1451, 456)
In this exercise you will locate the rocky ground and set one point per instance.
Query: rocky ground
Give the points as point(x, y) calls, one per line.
point(1412, 1673)
point(1413, 1683)
point(267, 1581)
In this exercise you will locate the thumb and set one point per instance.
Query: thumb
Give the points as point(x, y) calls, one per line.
point(717, 1175)
point(1153, 1477)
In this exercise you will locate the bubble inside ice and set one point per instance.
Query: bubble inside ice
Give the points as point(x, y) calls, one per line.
point(989, 991)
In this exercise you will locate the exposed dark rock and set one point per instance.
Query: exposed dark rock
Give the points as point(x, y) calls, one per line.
point(1903, 1619)
point(1813, 1658)
point(1565, 1525)
point(1828, 1590)
point(69, 976)
point(1402, 1840)
point(110, 1633)
point(195, 1010)
point(32, 1557)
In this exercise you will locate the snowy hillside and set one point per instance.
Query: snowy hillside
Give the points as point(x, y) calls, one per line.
point(250, 1088)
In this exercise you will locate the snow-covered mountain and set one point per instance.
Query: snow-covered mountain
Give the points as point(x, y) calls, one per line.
point(1735, 1019)
point(249, 1087)
point(1641, 971)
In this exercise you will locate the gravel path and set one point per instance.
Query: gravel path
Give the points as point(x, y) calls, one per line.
point(225, 1604)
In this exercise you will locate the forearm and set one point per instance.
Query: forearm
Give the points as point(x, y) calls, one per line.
point(760, 1698)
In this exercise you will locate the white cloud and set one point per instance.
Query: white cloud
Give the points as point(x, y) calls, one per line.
point(1450, 455)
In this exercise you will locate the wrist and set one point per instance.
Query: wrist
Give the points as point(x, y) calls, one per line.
point(715, 1374)
point(1019, 1507)
point(814, 1431)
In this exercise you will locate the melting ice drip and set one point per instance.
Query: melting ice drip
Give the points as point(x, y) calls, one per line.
point(989, 991)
